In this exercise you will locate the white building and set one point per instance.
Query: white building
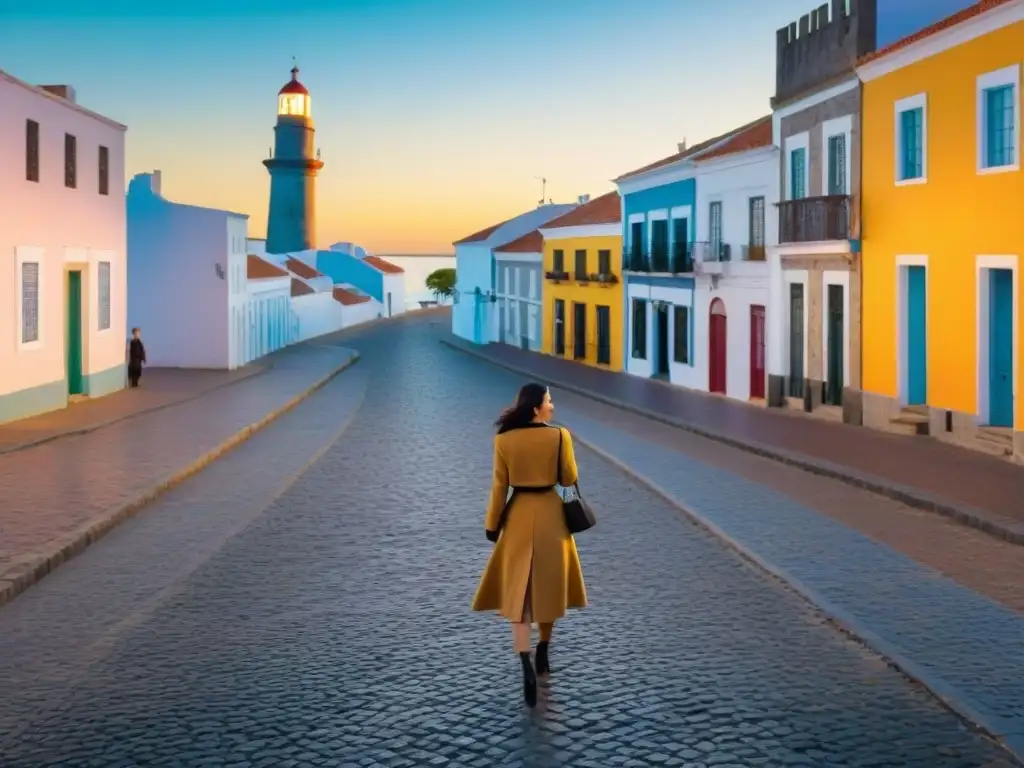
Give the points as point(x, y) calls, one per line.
point(518, 270)
point(474, 314)
point(62, 275)
point(737, 189)
point(322, 307)
point(199, 298)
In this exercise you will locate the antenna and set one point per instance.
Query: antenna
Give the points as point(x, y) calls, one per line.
point(543, 188)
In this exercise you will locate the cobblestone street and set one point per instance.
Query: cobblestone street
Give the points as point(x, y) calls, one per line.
point(305, 602)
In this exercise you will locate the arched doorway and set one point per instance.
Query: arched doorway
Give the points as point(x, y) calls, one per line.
point(717, 342)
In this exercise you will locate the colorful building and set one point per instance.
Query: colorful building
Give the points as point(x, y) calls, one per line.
point(943, 231)
point(582, 288)
point(474, 311)
point(63, 274)
point(814, 306)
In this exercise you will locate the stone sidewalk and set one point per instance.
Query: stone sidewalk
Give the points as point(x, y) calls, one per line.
point(969, 486)
point(160, 388)
point(58, 497)
point(964, 647)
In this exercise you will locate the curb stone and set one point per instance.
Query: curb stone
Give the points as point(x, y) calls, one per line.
point(75, 542)
point(1010, 736)
point(124, 417)
point(1007, 530)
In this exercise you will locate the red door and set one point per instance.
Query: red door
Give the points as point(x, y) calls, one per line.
point(757, 372)
point(717, 347)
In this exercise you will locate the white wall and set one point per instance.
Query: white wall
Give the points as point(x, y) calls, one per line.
point(61, 229)
point(733, 181)
point(395, 285)
point(318, 313)
point(175, 292)
point(738, 294)
point(679, 373)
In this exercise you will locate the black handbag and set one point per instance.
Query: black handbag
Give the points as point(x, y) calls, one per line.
point(579, 516)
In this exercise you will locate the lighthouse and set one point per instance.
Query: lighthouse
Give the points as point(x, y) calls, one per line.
point(291, 221)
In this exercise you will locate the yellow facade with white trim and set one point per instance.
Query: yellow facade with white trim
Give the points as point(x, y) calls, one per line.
point(957, 221)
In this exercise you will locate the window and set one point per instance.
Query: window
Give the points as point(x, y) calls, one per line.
point(837, 164)
point(999, 119)
point(797, 173)
point(29, 302)
point(636, 240)
point(604, 262)
point(558, 260)
point(659, 239)
point(581, 265)
point(70, 161)
point(999, 112)
point(103, 294)
point(681, 346)
point(104, 171)
point(715, 228)
point(912, 144)
point(639, 329)
point(756, 236)
point(31, 150)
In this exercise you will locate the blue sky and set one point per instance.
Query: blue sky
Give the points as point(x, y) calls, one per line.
point(434, 116)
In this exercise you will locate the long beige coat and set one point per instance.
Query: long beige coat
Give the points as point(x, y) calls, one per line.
point(534, 549)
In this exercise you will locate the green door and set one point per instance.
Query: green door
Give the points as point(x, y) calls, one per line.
point(74, 334)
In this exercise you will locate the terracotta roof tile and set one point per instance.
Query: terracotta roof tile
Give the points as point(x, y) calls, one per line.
point(348, 298)
point(606, 209)
point(302, 269)
point(688, 152)
point(483, 234)
point(975, 9)
point(755, 135)
point(531, 242)
point(259, 269)
point(383, 265)
point(299, 288)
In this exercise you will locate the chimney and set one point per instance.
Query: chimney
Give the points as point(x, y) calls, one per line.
point(583, 199)
point(65, 92)
point(682, 146)
point(155, 183)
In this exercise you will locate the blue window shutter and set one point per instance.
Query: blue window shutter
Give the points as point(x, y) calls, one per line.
point(1000, 109)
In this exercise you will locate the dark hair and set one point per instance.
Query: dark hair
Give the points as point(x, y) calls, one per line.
point(529, 399)
point(135, 330)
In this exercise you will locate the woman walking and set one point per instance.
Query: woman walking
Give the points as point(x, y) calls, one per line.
point(534, 573)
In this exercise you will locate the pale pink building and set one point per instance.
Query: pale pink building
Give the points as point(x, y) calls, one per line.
point(62, 250)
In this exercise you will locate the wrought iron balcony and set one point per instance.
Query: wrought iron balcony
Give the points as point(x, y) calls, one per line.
point(681, 261)
point(811, 219)
point(711, 253)
point(557, 275)
point(604, 278)
point(635, 260)
point(659, 261)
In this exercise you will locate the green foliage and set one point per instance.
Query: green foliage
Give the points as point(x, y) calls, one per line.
point(441, 282)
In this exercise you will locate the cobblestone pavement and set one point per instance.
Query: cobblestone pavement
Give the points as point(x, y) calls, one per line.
point(51, 490)
point(332, 627)
point(984, 484)
point(990, 566)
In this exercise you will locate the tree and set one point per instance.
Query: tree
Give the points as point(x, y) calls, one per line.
point(441, 282)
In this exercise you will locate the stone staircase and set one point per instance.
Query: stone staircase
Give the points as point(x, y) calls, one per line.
point(911, 420)
point(995, 440)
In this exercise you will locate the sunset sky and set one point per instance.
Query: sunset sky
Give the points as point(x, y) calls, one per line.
point(433, 116)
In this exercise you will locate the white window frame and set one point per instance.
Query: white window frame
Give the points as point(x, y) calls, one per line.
point(104, 258)
point(794, 142)
point(32, 255)
point(837, 126)
point(1006, 76)
point(917, 101)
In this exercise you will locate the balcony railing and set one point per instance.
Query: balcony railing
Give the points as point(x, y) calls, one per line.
point(753, 253)
point(635, 260)
point(604, 278)
point(659, 261)
point(811, 219)
point(711, 252)
point(557, 275)
point(682, 259)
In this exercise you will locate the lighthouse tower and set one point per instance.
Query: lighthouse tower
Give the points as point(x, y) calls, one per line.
point(291, 223)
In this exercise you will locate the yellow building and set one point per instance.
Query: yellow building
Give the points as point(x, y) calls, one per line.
point(943, 229)
point(582, 296)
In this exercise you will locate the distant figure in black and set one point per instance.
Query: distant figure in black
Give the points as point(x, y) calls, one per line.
point(136, 357)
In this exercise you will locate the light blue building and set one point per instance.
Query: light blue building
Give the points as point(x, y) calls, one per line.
point(474, 310)
point(659, 252)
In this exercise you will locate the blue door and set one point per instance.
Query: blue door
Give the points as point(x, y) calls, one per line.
point(1000, 348)
point(917, 336)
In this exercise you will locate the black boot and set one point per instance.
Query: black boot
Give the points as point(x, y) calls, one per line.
point(543, 668)
point(529, 680)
